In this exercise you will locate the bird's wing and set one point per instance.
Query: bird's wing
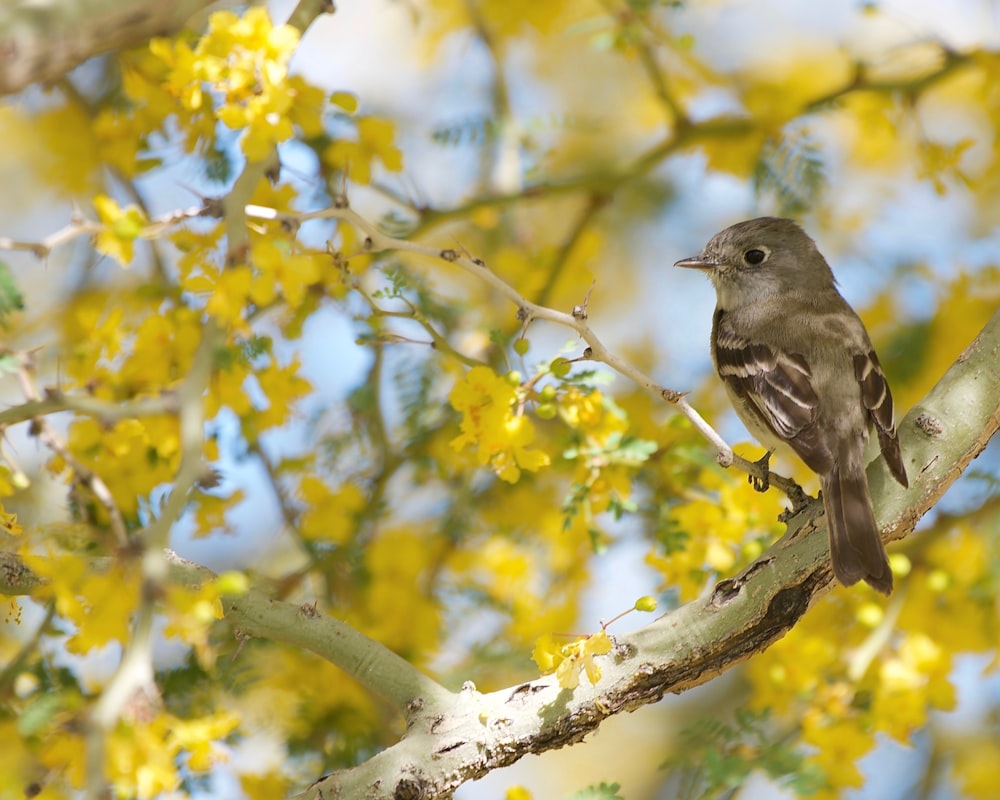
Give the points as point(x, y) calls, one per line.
point(877, 400)
point(777, 387)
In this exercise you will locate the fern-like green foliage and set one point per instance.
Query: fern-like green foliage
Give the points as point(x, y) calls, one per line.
point(713, 758)
point(11, 298)
point(602, 791)
point(791, 173)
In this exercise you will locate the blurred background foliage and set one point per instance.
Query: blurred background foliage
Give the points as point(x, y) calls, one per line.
point(393, 444)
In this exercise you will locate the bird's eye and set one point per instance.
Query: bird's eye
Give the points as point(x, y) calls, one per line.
point(754, 257)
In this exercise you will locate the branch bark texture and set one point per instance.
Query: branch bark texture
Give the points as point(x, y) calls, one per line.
point(40, 40)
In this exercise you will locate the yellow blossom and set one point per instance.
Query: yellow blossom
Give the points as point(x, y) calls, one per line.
point(489, 423)
point(231, 290)
point(278, 264)
point(69, 164)
point(975, 768)
point(9, 523)
point(719, 525)
point(396, 610)
point(589, 413)
point(191, 613)
point(839, 745)
point(283, 387)
point(228, 389)
point(120, 228)
point(329, 516)
point(570, 659)
point(374, 142)
point(210, 512)
point(133, 457)
point(98, 604)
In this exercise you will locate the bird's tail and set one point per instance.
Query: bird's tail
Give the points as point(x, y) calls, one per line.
point(855, 545)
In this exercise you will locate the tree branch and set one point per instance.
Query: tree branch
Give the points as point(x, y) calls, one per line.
point(42, 41)
point(371, 663)
point(55, 400)
point(134, 678)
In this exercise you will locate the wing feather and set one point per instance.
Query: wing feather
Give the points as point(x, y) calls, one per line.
point(777, 388)
point(877, 400)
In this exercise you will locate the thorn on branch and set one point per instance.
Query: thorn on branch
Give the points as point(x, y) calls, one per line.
point(310, 610)
point(931, 426)
point(237, 256)
point(210, 479)
point(415, 706)
point(242, 638)
point(580, 311)
point(213, 207)
point(799, 499)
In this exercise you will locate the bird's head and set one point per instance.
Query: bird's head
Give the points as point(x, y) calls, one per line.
point(758, 258)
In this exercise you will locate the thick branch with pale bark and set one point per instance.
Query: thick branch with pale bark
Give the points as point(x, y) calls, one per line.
point(40, 41)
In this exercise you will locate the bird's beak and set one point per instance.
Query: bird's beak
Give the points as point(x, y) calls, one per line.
point(696, 262)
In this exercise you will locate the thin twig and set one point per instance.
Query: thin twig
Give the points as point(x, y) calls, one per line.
point(86, 476)
point(376, 241)
point(55, 401)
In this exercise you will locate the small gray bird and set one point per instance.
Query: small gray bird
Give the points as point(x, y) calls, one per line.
point(801, 372)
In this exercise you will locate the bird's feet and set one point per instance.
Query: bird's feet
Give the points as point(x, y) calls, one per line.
point(799, 500)
point(763, 482)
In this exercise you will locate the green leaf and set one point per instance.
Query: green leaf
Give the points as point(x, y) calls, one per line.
point(792, 171)
point(636, 450)
point(218, 165)
point(34, 719)
point(715, 757)
point(476, 130)
point(9, 364)
point(11, 298)
point(602, 791)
